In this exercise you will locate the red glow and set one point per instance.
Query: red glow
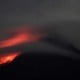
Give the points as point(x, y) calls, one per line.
point(18, 39)
point(7, 58)
point(21, 35)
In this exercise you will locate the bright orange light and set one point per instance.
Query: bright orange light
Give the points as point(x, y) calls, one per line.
point(21, 35)
point(7, 58)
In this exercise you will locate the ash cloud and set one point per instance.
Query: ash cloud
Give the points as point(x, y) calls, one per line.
point(61, 16)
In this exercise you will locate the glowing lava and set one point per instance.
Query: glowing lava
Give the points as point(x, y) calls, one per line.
point(19, 39)
point(20, 36)
point(8, 58)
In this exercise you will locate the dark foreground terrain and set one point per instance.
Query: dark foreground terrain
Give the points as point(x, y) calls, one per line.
point(37, 66)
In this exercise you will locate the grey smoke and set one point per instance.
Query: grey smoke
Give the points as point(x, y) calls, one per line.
point(64, 15)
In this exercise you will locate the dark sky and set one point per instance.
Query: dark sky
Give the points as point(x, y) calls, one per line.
point(65, 14)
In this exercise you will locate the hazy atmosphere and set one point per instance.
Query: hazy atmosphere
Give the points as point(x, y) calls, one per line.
point(39, 39)
point(64, 15)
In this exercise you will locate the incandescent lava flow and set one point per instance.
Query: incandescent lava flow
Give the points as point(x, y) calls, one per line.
point(21, 35)
point(8, 57)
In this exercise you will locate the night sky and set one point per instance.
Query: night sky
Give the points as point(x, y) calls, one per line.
point(63, 13)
